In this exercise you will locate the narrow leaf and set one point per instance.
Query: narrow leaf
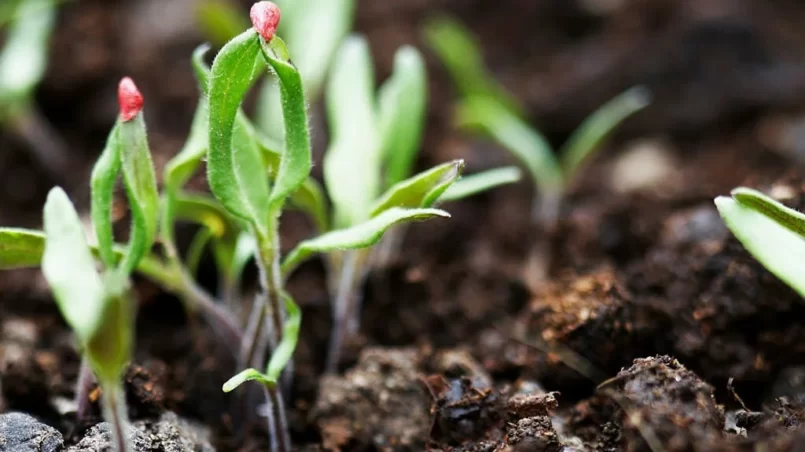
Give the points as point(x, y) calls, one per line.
point(69, 267)
point(24, 56)
point(421, 190)
point(313, 31)
point(517, 137)
point(296, 158)
point(290, 337)
point(362, 235)
point(102, 184)
point(236, 174)
point(141, 188)
point(310, 199)
point(460, 53)
point(480, 182)
point(20, 248)
point(790, 218)
point(244, 376)
point(778, 247)
point(401, 117)
point(353, 161)
point(180, 168)
point(587, 138)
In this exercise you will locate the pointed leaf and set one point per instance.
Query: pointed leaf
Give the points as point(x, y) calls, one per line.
point(201, 209)
point(460, 52)
point(296, 158)
point(102, 183)
point(517, 137)
point(69, 267)
point(602, 122)
point(362, 235)
point(236, 174)
point(290, 337)
point(783, 215)
point(353, 161)
point(20, 248)
point(421, 190)
point(770, 232)
point(401, 117)
point(480, 182)
point(247, 375)
point(141, 188)
point(313, 31)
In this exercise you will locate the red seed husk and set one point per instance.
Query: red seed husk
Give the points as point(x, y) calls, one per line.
point(129, 98)
point(265, 19)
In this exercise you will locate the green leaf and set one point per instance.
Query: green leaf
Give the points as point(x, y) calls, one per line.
point(245, 249)
point(296, 159)
point(220, 20)
point(235, 171)
point(141, 188)
point(362, 235)
point(460, 53)
point(20, 248)
point(480, 182)
point(69, 267)
point(517, 137)
point(203, 210)
point(421, 190)
point(102, 184)
point(290, 337)
point(196, 250)
point(180, 168)
point(771, 232)
point(313, 30)
point(353, 161)
point(401, 117)
point(310, 199)
point(247, 375)
point(599, 125)
point(24, 57)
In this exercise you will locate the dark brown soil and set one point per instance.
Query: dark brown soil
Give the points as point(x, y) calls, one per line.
point(648, 295)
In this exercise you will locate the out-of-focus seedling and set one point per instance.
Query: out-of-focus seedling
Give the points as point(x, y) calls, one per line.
point(23, 60)
point(487, 107)
point(773, 233)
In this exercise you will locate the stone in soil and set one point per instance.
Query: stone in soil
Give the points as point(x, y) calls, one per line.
point(169, 434)
point(22, 433)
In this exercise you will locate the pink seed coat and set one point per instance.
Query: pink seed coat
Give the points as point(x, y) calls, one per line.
point(129, 98)
point(265, 18)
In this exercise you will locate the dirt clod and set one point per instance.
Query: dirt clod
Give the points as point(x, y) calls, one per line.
point(22, 433)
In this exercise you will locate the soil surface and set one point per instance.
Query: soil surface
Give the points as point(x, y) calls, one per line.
point(654, 331)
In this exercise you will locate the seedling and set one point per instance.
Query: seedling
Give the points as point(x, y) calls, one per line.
point(773, 233)
point(22, 65)
point(487, 107)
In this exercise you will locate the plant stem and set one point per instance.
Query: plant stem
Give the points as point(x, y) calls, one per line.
point(277, 420)
point(114, 411)
point(47, 147)
point(344, 298)
point(86, 379)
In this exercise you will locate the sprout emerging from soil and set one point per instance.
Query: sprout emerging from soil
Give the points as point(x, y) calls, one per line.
point(487, 107)
point(773, 233)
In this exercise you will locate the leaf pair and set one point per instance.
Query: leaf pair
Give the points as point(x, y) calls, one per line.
point(773, 233)
point(237, 173)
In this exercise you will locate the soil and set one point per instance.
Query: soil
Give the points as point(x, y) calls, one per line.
point(650, 310)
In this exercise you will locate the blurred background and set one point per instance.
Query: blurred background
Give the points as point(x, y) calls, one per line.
point(723, 73)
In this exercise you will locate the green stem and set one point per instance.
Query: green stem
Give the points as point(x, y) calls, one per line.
point(114, 411)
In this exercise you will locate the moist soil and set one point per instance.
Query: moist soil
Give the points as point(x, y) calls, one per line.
point(653, 330)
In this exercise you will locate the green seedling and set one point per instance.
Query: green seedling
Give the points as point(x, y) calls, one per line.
point(23, 60)
point(773, 233)
point(98, 307)
point(486, 107)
